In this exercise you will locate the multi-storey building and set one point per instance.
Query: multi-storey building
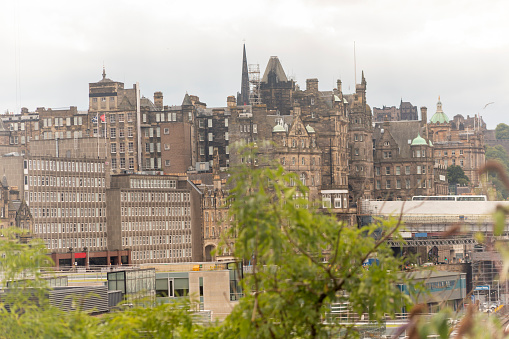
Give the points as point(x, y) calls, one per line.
point(114, 115)
point(216, 220)
point(406, 111)
point(360, 146)
point(67, 200)
point(158, 218)
point(457, 143)
point(45, 124)
point(404, 162)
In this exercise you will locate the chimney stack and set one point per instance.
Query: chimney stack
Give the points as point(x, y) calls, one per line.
point(158, 100)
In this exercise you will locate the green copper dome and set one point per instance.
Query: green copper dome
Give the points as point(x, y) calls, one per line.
point(439, 117)
point(419, 141)
point(278, 128)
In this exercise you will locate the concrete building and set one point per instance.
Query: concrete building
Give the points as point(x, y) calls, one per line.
point(158, 218)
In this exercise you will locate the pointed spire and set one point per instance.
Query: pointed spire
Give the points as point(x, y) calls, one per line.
point(104, 72)
point(244, 86)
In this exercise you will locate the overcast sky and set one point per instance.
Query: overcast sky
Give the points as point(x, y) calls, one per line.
point(410, 50)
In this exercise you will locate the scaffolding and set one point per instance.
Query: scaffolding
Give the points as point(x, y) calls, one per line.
point(254, 84)
point(486, 266)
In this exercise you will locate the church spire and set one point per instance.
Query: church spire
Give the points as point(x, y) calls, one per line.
point(243, 98)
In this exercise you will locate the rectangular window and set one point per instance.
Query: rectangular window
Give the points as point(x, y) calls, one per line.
point(398, 184)
point(130, 132)
point(121, 132)
point(407, 170)
point(211, 137)
point(377, 170)
point(131, 147)
point(388, 184)
point(113, 132)
point(209, 122)
point(112, 118)
point(387, 170)
point(418, 169)
point(398, 170)
point(226, 136)
point(226, 122)
point(113, 148)
point(378, 184)
point(407, 183)
point(166, 131)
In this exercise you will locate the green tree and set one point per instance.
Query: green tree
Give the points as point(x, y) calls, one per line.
point(502, 131)
point(456, 175)
point(499, 154)
point(303, 260)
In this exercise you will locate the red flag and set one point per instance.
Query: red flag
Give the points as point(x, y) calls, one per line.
point(103, 117)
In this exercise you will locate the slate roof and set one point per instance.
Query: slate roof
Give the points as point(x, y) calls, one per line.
point(274, 65)
point(402, 132)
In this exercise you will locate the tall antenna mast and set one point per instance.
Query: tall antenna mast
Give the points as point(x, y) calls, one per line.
point(354, 66)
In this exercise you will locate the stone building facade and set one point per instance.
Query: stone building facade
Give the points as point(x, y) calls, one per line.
point(360, 144)
point(404, 162)
point(457, 143)
point(406, 111)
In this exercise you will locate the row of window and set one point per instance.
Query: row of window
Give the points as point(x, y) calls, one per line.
point(67, 212)
point(210, 136)
point(212, 233)
point(339, 200)
point(302, 161)
point(64, 166)
point(114, 163)
point(420, 184)
point(201, 123)
point(52, 181)
point(65, 197)
point(157, 183)
point(76, 243)
point(156, 196)
point(211, 150)
point(247, 128)
point(302, 143)
point(419, 170)
point(156, 225)
point(120, 116)
point(60, 228)
point(155, 211)
point(161, 254)
point(446, 153)
point(453, 162)
point(156, 240)
point(121, 147)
